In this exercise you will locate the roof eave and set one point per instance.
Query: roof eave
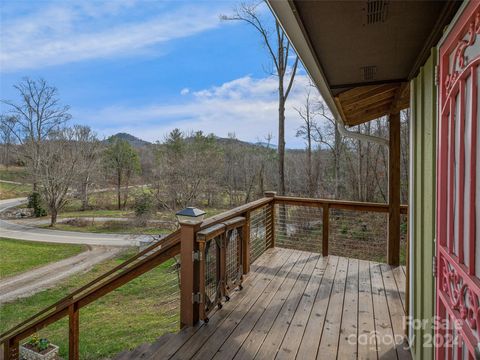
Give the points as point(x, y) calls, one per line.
point(286, 14)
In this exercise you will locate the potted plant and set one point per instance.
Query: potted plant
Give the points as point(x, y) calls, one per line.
point(38, 349)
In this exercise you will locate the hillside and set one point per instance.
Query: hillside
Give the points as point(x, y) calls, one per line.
point(133, 140)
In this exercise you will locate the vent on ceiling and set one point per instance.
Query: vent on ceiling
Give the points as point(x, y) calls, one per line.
point(368, 72)
point(376, 11)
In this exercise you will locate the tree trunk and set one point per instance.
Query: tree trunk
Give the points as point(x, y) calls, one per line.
point(84, 196)
point(360, 171)
point(309, 159)
point(337, 162)
point(53, 217)
point(281, 140)
point(119, 190)
point(125, 195)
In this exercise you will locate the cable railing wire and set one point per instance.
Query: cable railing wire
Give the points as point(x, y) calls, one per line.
point(298, 227)
point(261, 236)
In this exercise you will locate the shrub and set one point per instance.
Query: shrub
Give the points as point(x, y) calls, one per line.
point(35, 202)
point(79, 222)
point(144, 207)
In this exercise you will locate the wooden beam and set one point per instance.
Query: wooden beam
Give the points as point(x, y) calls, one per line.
point(393, 247)
point(369, 101)
point(352, 96)
point(361, 118)
point(189, 310)
point(73, 332)
point(399, 96)
point(325, 228)
point(382, 106)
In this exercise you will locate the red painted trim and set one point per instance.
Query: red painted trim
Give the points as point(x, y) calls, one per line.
point(472, 281)
point(464, 330)
point(461, 175)
point(473, 171)
point(451, 176)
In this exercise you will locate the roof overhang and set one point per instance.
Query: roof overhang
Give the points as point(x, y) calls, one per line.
point(362, 54)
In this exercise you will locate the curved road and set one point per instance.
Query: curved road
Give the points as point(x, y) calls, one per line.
point(101, 247)
point(22, 232)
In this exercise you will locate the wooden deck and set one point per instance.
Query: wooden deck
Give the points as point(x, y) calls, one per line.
point(301, 305)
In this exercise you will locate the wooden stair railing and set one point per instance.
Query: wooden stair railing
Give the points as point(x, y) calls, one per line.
point(70, 305)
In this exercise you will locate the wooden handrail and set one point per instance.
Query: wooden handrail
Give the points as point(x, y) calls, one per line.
point(393, 252)
point(337, 204)
point(238, 211)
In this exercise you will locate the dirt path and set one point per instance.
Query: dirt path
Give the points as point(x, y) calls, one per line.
point(33, 281)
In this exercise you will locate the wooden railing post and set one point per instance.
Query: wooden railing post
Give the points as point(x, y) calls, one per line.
point(189, 269)
point(11, 350)
point(246, 244)
point(393, 246)
point(73, 332)
point(271, 224)
point(325, 228)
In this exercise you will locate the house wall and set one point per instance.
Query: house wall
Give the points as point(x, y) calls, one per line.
point(422, 205)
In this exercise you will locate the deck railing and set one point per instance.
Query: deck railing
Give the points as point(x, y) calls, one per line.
point(70, 305)
point(216, 254)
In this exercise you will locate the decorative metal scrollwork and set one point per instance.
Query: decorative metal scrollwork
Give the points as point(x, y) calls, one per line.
point(460, 61)
point(462, 298)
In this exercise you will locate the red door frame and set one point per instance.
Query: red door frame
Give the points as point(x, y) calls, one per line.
point(458, 287)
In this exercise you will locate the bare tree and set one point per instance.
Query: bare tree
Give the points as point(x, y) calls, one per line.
point(58, 169)
point(306, 132)
point(279, 49)
point(7, 138)
point(89, 148)
point(37, 114)
point(122, 161)
point(329, 136)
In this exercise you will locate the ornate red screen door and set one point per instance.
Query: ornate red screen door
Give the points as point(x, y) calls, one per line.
point(458, 191)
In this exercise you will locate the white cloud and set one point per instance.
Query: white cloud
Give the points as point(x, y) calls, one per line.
point(246, 106)
point(185, 91)
point(69, 32)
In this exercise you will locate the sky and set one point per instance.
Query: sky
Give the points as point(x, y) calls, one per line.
point(148, 66)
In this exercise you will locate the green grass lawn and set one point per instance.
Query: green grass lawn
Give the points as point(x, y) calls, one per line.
point(17, 256)
point(97, 213)
point(137, 312)
point(10, 191)
point(13, 173)
point(112, 227)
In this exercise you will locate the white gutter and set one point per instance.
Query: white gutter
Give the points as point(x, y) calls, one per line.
point(345, 132)
point(285, 13)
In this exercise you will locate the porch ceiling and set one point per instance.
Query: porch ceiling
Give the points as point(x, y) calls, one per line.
point(361, 54)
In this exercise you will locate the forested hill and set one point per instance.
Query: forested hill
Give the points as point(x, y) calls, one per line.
point(132, 140)
point(137, 142)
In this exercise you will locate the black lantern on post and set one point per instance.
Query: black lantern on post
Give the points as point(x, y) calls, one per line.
point(190, 216)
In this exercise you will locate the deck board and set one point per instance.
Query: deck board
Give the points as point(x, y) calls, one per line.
point(299, 305)
point(281, 285)
point(347, 345)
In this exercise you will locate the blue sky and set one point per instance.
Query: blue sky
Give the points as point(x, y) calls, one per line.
point(146, 67)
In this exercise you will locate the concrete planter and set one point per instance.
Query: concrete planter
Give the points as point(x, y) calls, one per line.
point(29, 354)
